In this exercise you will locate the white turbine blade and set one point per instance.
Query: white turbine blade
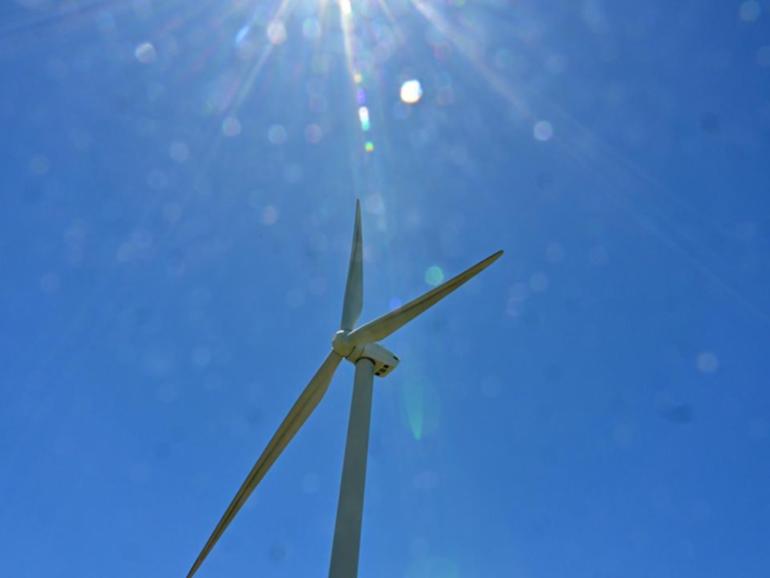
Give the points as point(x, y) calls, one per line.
point(383, 326)
point(299, 412)
point(354, 290)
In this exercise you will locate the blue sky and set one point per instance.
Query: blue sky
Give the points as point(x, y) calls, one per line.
point(178, 195)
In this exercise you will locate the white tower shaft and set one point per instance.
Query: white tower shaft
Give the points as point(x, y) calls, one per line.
point(347, 529)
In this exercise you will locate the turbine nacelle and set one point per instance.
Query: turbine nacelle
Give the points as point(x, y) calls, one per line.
point(384, 361)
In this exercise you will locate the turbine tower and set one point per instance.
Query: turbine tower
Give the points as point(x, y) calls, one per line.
point(360, 346)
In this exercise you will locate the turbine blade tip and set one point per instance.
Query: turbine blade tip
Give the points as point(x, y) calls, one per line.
point(495, 256)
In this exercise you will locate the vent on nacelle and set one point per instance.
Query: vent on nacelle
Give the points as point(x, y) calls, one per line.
point(382, 371)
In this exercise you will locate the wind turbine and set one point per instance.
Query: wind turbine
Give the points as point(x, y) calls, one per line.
point(359, 346)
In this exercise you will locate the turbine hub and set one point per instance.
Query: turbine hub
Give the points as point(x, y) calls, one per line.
point(384, 361)
point(341, 343)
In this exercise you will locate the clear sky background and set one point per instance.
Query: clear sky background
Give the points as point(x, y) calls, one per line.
point(178, 187)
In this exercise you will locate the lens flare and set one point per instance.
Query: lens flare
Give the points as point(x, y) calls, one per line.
point(411, 91)
point(434, 275)
point(363, 116)
point(413, 404)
